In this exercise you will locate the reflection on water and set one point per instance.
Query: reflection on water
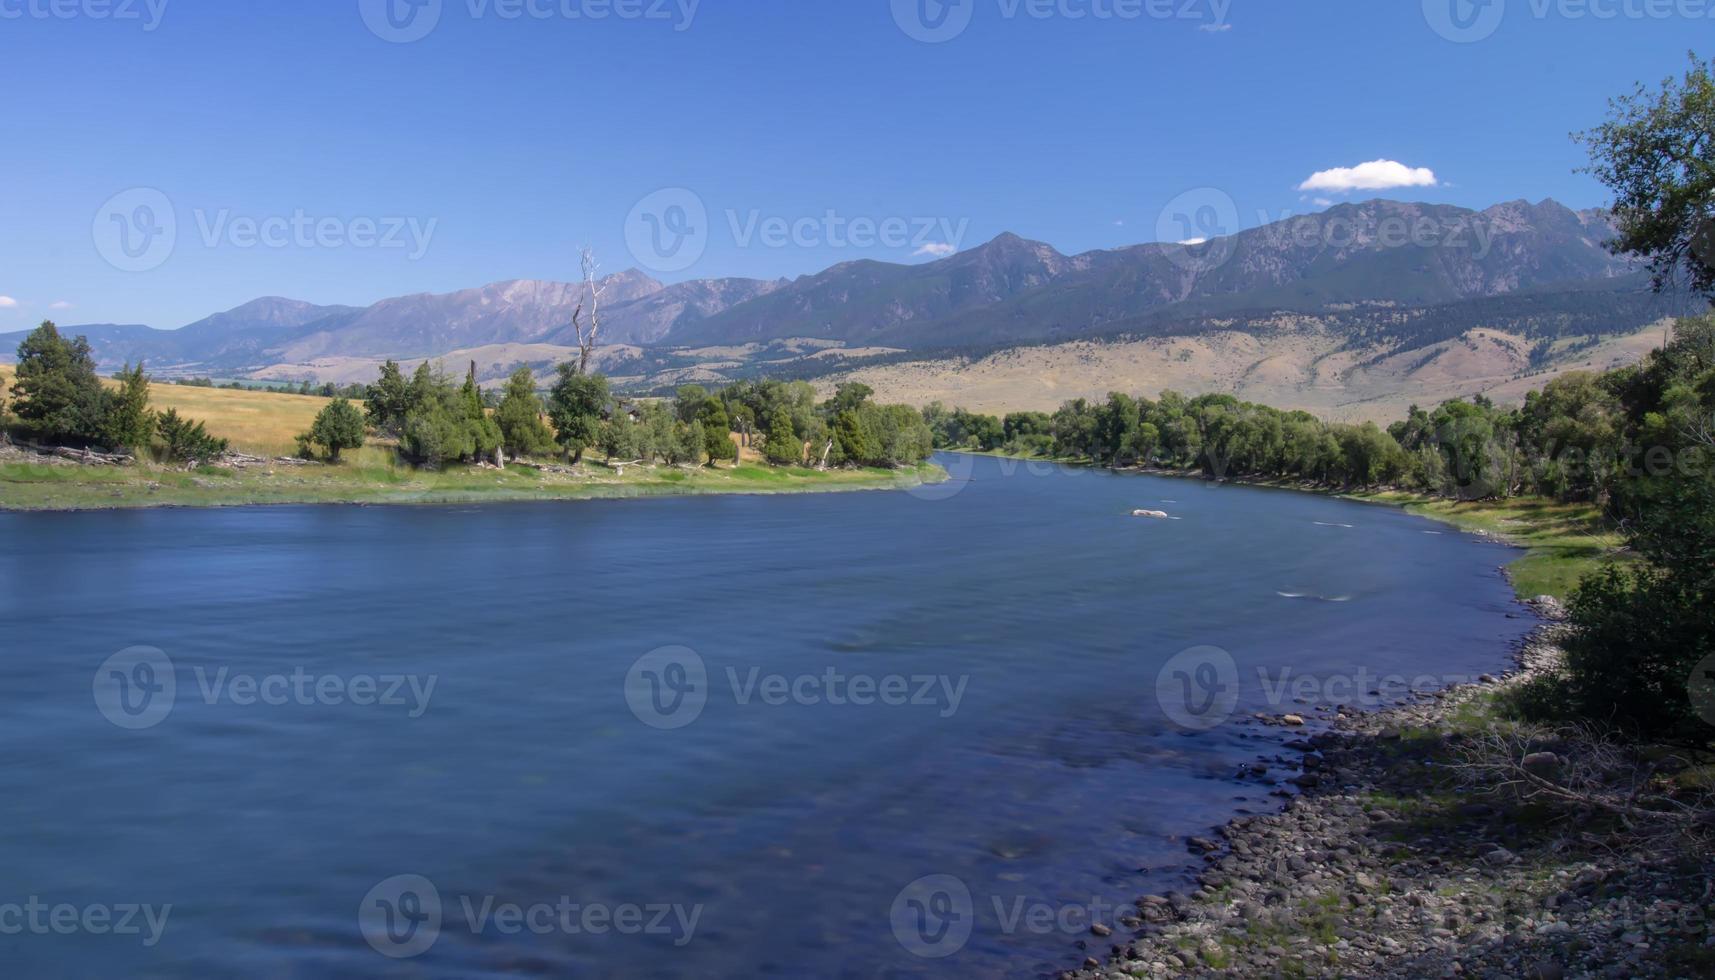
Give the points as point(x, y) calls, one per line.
point(829, 767)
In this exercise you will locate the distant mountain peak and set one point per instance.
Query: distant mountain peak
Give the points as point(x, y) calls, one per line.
point(1009, 289)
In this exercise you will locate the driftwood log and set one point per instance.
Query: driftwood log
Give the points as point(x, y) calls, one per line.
point(83, 457)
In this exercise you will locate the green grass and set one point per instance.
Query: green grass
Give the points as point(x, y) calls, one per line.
point(266, 424)
point(1562, 542)
point(370, 477)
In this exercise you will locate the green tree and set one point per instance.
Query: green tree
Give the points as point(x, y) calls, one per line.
point(485, 435)
point(576, 405)
point(185, 441)
point(783, 447)
point(56, 394)
point(520, 417)
point(437, 431)
point(856, 440)
point(1654, 152)
point(126, 422)
point(691, 402)
point(337, 428)
point(389, 401)
point(719, 446)
point(849, 397)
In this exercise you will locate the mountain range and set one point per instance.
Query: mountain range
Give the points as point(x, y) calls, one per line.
point(1381, 258)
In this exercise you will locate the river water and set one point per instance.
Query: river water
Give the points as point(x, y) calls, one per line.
point(845, 735)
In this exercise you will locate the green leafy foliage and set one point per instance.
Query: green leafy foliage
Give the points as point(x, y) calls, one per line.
point(577, 405)
point(338, 427)
point(1654, 154)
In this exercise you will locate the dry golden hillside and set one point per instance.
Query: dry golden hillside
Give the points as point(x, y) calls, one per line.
point(1296, 366)
point(254, 421)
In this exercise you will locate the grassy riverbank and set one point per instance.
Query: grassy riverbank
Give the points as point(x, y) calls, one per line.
point(1562, 542)
point(266, 423)
point(371, 478)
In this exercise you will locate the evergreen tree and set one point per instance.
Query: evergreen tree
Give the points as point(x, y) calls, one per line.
point(519, 416)
point(485, 436)
point(126, 422)
point(56, 394)
point(783, 447)
point(185, 441)
point(389, 401)
point(337, 428)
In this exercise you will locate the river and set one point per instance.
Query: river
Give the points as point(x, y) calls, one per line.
point(847, 735)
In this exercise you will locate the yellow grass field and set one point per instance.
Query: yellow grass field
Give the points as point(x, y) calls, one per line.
point(259, 422)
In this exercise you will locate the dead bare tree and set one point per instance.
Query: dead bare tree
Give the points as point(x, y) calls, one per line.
point(592, 290)
point(1702, 432)
point(1589, 774)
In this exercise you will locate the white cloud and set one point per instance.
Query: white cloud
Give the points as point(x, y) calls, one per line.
point(1377, 175)
point(1195, 241)
point(61, 305)
point(8, 303)
point(1323, 202)
point(939, 250)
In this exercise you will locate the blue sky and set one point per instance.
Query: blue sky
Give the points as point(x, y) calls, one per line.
point(494, 146)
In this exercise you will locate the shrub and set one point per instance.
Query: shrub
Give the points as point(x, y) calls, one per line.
point(338, 427)
point(185, 441)
point(1640, 636)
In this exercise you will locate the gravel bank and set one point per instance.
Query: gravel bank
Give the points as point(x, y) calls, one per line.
point(1381, 867)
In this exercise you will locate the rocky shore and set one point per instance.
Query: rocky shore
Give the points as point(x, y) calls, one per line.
point(1389, 864)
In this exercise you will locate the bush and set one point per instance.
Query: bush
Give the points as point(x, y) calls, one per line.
point(185, 441)
point(337, 428)
point(1640, 636)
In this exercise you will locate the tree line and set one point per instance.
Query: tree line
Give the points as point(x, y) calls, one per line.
point(1638, 441)
point(57, 398)
point(1581, 437)
point(437, 421)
